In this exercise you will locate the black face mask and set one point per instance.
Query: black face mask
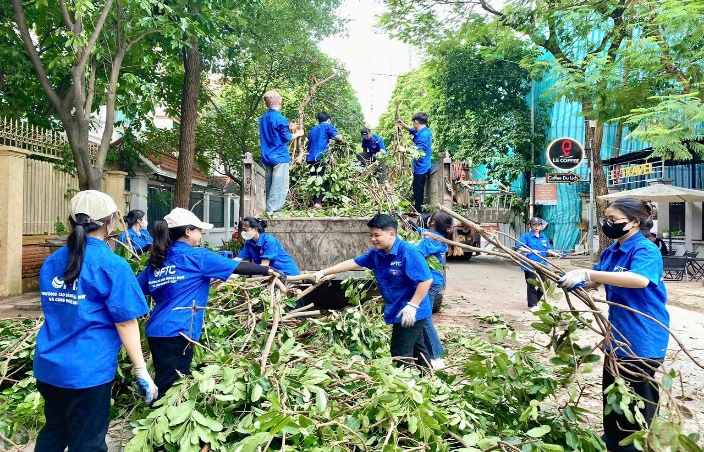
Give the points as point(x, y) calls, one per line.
point(615, 230)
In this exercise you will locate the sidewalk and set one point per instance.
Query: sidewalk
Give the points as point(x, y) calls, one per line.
point(25, 305)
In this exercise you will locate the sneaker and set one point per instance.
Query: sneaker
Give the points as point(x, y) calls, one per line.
point(437, 364)
point(534, 308)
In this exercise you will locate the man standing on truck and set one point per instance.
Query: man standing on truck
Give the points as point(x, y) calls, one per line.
point(423, 140)
point(274, 134)
point(318, 140)
point(372, 147)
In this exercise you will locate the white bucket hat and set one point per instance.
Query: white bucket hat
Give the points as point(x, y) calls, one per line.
point(182, 217)
point(93, 203)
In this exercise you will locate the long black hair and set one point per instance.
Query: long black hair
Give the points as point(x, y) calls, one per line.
point(76, 243)
point(163, 239)
point(635, 209)
point(255, 223)
point(132, 217)
point(443, 224)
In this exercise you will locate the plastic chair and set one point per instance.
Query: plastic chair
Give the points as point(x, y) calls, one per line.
point(227, 254)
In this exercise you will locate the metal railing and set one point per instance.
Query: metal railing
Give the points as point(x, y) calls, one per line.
point(32, 139)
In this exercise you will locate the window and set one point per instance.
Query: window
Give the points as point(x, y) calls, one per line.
point(676, 217)
point(217, 211)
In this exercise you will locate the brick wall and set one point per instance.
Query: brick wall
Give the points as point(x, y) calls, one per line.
point(32, 259)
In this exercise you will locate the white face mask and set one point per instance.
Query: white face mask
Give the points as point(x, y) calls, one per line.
point(145, 223)
point(247, 235)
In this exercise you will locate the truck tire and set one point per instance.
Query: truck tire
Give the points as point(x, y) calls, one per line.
point(437, 303)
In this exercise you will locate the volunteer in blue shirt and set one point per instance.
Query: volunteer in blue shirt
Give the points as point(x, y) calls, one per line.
point(318, 140)
point(264, 249)
point(178, 275)
point(423, 141)
point(536, 247)
point(274, 134)
point(404, 278)
point(91, 302)
point(631, 270)
point(140, 238)
point(372, 148)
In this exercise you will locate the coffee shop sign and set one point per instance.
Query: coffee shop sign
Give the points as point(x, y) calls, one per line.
point(624, 172)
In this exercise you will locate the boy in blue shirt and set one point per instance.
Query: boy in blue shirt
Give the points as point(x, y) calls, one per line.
point(275, 133)
point(423, 140)
point(318, 140)
point(536, 246)
point(404, 278)
point(372, 147)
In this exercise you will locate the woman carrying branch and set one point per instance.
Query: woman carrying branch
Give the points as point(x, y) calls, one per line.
point(137, 229)
point(91, 302)
point(178, 278)
point(632, 272)
point(264, 248)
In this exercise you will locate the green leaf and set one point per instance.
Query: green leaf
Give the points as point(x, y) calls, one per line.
point(537, 432)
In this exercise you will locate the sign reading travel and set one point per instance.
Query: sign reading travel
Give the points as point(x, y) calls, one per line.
point(562, 178)
point(565, 154)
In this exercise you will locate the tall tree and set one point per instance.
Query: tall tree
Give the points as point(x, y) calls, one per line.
point(81, 68)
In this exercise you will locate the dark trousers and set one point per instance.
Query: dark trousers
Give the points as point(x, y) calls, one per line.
point(318, 169)
point(419, 190)
point(533, 293)
point(365, 158)
point(409, 343)
point(170, 354)
point(75, 418)
point(616, 426)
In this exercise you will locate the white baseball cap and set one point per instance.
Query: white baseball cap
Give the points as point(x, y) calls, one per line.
point(93, 203)
point(183, 217)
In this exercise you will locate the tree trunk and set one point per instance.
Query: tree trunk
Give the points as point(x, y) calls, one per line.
point(600, 186)
point(193, 66)
point(617, 140)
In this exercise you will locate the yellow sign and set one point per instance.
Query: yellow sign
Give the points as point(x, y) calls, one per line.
point(624, 172)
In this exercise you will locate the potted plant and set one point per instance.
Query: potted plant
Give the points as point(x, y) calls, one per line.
point(677, 234)
point(665, 233)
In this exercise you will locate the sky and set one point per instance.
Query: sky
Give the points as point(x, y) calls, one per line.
point(372, 58)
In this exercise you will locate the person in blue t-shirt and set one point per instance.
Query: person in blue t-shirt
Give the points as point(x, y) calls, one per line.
point(91, 302)
point(274, 134)
point(403, 278)
point(536, 247)
point(264, 249)
point(423, 141)
point(178, 275)
point(140, 238)
point(372, 148)
point(631, 271)
point(318, 140)
point(435, 252)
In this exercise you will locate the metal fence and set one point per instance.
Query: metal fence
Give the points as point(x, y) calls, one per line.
point(46, 196)
point(32, 139)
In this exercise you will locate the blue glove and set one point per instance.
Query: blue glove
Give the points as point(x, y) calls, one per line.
point(562, 255)
point(574, 279)
point(145, 384)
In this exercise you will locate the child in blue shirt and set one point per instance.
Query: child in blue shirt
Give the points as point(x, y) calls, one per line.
point(178, 275)
point(631, 271)
point(403, 278)
point(274, 134)
point(91, 302)
point(318, 140)
point(423, 140)
point(372, 147)
point(264, 249)
point(140, 238)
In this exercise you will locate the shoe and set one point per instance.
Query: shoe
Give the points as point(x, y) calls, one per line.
point(437, 364)
point(534, 308)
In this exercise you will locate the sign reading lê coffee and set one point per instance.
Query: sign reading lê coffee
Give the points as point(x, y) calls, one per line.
point(565, 153)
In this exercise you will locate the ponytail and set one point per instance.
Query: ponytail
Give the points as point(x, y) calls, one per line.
point(164, 237)
point(76, 243)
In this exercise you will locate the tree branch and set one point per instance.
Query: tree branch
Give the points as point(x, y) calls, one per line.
point(83, 59)
point(65, 15)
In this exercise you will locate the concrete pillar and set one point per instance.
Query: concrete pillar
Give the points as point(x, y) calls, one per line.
point(663, 216)
point(139, 189)
point(12, 162)
point(692, 223)
point(228, 209)
point(114, 185)
point(206, 213)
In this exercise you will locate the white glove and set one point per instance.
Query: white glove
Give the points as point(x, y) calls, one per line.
point(145, 384)
point(381, 154)
point(320, 274)
point(408, 315)
point(571, 279)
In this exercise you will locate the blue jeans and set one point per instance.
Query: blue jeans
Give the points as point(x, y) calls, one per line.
point(430, 334)
point(276, 185)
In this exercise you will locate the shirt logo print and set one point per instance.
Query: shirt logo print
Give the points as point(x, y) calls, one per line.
point(618, 268)
point(58, 283)
point(395, 264)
